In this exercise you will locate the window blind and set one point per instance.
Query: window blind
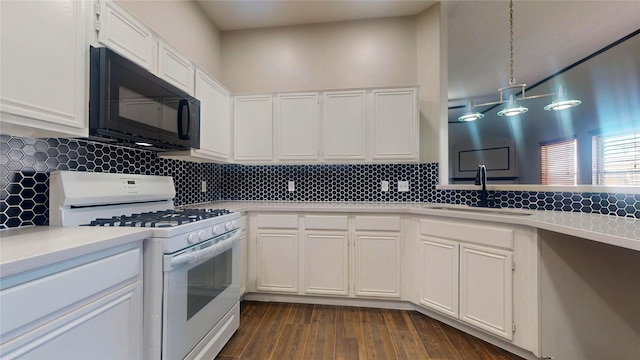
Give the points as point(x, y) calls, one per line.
point(558, 162)
point(616, 159)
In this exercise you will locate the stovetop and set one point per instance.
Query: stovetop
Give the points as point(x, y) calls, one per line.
point(160, 219)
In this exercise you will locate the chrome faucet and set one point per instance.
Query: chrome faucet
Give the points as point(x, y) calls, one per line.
point(481, 179)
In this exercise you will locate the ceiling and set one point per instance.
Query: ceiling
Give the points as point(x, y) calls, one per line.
point(251, 14)
point(548, 35)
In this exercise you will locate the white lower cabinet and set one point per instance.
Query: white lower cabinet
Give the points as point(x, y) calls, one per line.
point(486, 289)
point(479, 275)
point(439, 257)
point(278, 261)
point(377, 264)
point(326, 254)
point(84, 308)
point(465, 280)
point(340, 255)
point(326, 263)
point(277, 241)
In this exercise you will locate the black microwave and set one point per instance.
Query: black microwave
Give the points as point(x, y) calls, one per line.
point(130, 106)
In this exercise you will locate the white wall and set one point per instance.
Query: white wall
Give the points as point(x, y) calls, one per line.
point(589, 299)
point(350, 54)
point(185, 26)
point(431, 48)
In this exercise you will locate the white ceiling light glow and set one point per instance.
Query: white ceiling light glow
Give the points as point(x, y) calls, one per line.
point(512, 94)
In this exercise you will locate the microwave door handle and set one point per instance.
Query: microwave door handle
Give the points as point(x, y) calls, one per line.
point(181, 105)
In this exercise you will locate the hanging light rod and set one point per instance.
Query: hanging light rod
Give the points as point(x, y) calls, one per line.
point(513, 108)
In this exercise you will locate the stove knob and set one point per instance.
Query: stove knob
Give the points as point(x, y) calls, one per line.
point(202, 235)
point(217, 230)
point(192, 238)
point(229, 225)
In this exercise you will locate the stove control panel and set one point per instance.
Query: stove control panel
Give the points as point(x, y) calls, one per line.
point(131, 185)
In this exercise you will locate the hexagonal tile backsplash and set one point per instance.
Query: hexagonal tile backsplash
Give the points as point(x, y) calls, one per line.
point(25, 164)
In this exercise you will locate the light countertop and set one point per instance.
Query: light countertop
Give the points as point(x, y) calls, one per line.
point(23, 249)
point(618, 231)
point(27, 248)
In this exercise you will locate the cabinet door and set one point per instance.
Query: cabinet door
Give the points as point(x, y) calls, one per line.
point(175, 68)
point(326, 263)
point(85, 307)
point(215, 117)
point(377, 264)
point(439, 275)
point(108, 328)
point(124, 34)
point(277, 261)
point(253, 128)
point(297, 127)
point(395, 125)
point(486, 289)
point(43, 63)
point(344, 126)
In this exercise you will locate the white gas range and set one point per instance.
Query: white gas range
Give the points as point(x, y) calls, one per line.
point(191, 262)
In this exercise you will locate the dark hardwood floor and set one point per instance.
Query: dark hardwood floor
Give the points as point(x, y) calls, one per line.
point(281, 331)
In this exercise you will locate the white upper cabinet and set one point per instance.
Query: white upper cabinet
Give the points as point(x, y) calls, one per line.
point(124, 34)
point(253, 128)
point(215, 123)
point(44, 68)
point(344, 126)
point(296, 124)
point(175, 68)
point(394, 125)
point(215, 117)
point(379, 125)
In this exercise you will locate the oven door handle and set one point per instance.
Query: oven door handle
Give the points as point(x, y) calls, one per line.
point(204, 254)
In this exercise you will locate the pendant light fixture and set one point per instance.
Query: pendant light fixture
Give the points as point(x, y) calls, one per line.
point(471, 114)
point(513, 93)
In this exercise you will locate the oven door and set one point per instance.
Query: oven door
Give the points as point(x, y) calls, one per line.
point(201, 285)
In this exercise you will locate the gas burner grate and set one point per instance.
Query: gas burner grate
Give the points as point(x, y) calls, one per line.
point(157, 219)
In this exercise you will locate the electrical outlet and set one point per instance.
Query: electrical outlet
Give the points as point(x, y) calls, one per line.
point(403, 186)
point(204, 186)
point(385, 185)
point(292, 185)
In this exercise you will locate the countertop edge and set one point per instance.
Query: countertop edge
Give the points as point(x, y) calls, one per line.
point(537, 220)
point(65, 252)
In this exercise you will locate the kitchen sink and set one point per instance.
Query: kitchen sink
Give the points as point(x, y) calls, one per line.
point(479, 210)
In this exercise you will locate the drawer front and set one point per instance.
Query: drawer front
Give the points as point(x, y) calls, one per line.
point(278, 221)
point(467, 232)
point(378, 223)
point(46, 295)
point(313, 222)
